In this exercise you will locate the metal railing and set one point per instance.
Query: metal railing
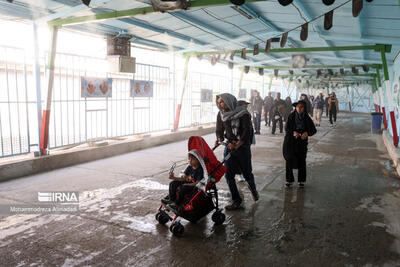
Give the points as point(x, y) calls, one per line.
point(77, 120)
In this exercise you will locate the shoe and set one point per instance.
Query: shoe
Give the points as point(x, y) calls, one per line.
point(301, 184)
point(332, 126)
point(255, 195)
point(273, 133)
point(173, 207)
point(288, 184)
point(257, 133)
point(166, 201)
point(234, 206)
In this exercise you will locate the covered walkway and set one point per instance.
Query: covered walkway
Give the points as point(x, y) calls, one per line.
point(347, 215)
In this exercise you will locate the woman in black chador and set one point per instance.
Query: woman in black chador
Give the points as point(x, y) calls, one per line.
point(299, 127)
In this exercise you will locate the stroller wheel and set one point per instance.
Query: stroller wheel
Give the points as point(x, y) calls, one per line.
point(218, 217)
point(177, 229)
point(161, 217)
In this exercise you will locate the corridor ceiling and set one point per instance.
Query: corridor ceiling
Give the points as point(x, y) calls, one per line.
point(220, 26)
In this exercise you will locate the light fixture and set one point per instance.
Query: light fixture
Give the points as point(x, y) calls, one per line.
point(268, 46)
point(365, 68)
point(304, 32)
point(357, 7)
point(255, 51)
point(284, 39)
point(328, 20)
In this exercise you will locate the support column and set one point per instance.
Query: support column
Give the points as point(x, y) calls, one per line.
point(382, 99)
point(44, 137)
point(348, 98)
point(36, 71)
point(179, 107)
point(386, 84)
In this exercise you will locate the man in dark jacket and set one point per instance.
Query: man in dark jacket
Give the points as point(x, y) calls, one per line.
point(278, 111)
point(298, 128)
point(256, 109)
point(234, 124)
point(268, 103)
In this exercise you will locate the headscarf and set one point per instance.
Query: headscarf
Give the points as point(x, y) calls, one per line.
point(299, 118)
point(235, 111)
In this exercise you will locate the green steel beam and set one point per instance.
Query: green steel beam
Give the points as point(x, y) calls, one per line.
point(320, 66)
point(134, 12)
point(378, 75)
point(384, 65)
point(323, 75)
point(377, 48)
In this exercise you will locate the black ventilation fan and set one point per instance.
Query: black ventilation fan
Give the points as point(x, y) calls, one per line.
point(328, 2)
point(285, 2)
point(237, 2)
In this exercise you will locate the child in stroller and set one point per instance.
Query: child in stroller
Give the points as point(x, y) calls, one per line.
point(182, 186)
point(202, 198)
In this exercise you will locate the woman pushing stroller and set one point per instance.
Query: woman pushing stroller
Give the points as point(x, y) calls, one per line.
point(234, 124)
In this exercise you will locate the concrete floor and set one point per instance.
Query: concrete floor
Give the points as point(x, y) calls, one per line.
point(348, 214)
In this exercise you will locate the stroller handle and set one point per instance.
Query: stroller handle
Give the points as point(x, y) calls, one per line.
point(219, 143)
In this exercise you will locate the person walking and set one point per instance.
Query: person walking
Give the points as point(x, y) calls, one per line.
point(333, 107)
point(308, 103)
point(268, 103)
point(326, 105)
point(298, 128)
point(289, 108)
point(318, 107)
point(256, 108)
point(234, 124)
point(278, 110)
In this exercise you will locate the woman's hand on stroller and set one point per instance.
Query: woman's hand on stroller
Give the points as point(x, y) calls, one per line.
point(235, 145)
point(171, 176)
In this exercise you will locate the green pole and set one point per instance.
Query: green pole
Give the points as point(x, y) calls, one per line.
point(377, 48)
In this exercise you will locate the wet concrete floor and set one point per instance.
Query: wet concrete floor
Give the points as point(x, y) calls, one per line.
point(347, 215)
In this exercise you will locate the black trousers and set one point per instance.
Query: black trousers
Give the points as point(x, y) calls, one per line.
point(173, 186)
point(301, 165)
point(274, 121)
point(257, 121)
point(268, 118)
point(333, 114)
point(241, 158)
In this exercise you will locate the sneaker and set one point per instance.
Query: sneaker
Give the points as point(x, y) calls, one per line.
point(173, 207)
point(166, 201)
point(255, 195)
point(288, 184)
point(241, 178)
point(301, 184)
point(234, 206)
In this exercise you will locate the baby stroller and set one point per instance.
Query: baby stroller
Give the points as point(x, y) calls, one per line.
point(204, 197)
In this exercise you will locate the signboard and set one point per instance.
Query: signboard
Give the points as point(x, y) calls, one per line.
point(96, 87)
point(242, 93)
point(206, 95)
point(141, 88)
